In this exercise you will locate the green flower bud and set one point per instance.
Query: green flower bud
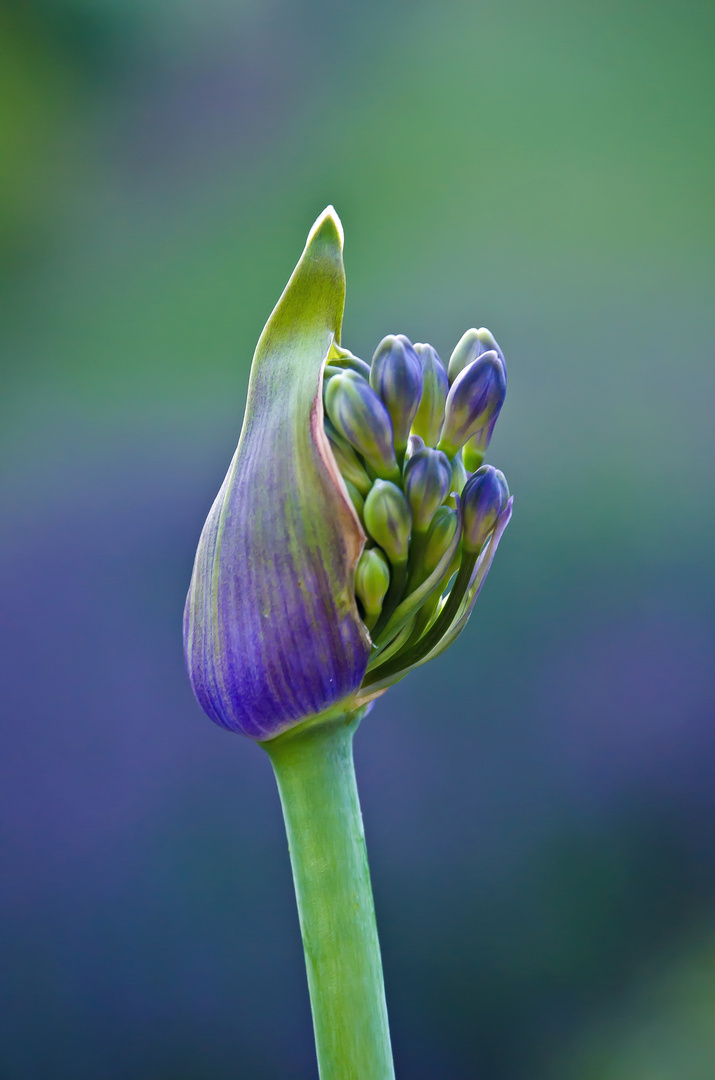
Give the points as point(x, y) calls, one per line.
point(388, 520)
point(372, 580)
point(435, 387)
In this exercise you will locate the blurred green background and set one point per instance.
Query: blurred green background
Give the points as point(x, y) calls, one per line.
point(539, 803)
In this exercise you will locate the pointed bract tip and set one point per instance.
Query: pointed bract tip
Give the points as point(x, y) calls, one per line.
point(328, 222)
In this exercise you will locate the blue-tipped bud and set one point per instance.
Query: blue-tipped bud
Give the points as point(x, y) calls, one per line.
point(473, 344)
point(474, 401)
point(427, 479)
point(485, 495)
point(372, 580)
point(444, 525)
point(351, 468)
point(360, 417)
point(396, 375)
point(388, 520)
point(435, 387)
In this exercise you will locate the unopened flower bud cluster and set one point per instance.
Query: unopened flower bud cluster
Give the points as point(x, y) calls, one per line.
point(409, 437)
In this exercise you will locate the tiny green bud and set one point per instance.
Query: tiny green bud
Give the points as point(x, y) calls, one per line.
point(372, 580)
point(435, 387)
point(388, 519)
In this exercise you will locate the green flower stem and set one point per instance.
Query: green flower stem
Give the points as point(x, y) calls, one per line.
point(316, 779)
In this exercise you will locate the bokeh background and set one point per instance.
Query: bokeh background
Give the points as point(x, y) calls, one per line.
point(540, 802)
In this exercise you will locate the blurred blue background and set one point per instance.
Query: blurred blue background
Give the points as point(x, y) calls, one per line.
point(539, 803)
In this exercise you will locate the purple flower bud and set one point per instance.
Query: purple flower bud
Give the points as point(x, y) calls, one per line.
point(474, 401)
point(360, 417)
point(388, 520)
point(484, 497)
point(396, 375)
point(427, 479)
point(435, 387)
point(472, 345)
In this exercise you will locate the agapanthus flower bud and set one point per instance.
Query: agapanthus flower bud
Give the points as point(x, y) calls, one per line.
point(475, 399)
point(484, 498)
point(427, 479)
point(372, 580)
point(396, 375)
point(473, 344)
point(388, 520)
point(435, 387)
point(360, 417)
point(287, 620)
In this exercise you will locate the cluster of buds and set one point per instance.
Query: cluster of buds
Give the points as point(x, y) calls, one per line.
point(357, 521)
point(409, 436)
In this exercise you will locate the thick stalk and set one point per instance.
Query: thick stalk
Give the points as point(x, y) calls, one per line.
point(316, 779)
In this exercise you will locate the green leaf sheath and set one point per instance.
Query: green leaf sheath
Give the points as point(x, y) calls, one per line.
point(316, 779)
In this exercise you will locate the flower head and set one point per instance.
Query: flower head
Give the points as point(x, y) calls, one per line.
point(324, 568)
